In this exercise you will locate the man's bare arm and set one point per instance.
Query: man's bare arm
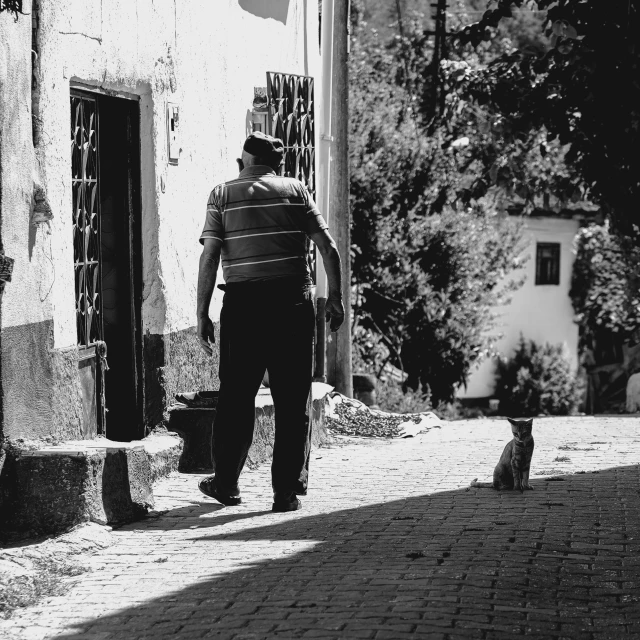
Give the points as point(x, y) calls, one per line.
point(331, 260)
point(207, 273)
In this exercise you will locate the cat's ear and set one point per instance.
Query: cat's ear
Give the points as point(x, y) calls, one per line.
point(528, 423)
point(513, 422)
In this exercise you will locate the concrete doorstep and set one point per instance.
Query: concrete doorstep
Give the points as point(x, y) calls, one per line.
point(50, 488)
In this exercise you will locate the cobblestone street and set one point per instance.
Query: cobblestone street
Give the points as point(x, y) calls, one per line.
point(389, 544)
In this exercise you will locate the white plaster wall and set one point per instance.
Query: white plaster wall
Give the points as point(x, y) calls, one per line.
point(542, 313)
point(27, 298)
point(216, 81)
point(204, 55)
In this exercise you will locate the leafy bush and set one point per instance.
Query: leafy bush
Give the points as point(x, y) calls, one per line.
point(370, 355)
point(537, 379)
point(391, 397)
point(430, 260)
point(605, 288)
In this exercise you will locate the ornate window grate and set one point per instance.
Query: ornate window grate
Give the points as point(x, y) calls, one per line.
point(291, 106)
point(86, 219)
point(291, 118)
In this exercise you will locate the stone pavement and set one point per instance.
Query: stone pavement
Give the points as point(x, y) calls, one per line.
point(389, 544)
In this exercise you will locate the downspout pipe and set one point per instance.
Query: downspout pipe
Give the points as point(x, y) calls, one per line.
point(324, 173)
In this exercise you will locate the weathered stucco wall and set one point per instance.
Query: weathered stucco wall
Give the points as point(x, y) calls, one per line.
point(26, 298)
point(539, 312)
point(26, 306)
point(207, 58)
point(204, 56)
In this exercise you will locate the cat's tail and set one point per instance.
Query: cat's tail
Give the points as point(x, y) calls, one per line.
point(481, 485)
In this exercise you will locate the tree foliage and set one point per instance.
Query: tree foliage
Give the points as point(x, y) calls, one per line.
point(541, 109)
point(513, 167)
point(605, 289)
point(427, 257)
point(583, 93)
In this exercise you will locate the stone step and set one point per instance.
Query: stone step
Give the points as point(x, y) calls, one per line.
point(53, 487)
point(195, 425)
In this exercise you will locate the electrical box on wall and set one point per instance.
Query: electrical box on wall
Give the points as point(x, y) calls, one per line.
point(260, 109)
point(259, 121)
point(173, 132)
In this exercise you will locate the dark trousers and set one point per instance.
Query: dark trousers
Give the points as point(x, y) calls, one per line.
point(265, 326)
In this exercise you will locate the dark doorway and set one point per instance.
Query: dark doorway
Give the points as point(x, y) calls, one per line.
point(120, 260)
point(108, 260)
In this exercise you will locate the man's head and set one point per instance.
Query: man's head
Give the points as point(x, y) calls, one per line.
point(259, 148)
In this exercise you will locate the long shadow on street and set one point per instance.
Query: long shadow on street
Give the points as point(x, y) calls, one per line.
point(561, 561)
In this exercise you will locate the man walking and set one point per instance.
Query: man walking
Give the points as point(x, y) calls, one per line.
point(260, 224)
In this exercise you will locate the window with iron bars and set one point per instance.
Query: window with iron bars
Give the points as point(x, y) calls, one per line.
point(291, 118)
point(86, 219)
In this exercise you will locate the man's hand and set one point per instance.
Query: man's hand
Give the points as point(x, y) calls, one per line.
point(331, 260)
point(207, 270)
point(334, 312)
point(206, 334)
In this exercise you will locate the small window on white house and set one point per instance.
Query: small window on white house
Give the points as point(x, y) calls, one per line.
point(548, 263)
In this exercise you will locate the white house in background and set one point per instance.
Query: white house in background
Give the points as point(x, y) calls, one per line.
point(541, 309)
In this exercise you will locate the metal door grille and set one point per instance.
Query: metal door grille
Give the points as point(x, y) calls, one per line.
point(291, 105)
point(86, 219)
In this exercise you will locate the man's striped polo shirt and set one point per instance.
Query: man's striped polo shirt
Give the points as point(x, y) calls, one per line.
point(263, 221)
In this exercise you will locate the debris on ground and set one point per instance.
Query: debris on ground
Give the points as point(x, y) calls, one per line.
point(35, 570)
point(349, 417)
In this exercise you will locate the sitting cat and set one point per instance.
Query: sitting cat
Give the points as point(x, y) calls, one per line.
point(512, 471)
